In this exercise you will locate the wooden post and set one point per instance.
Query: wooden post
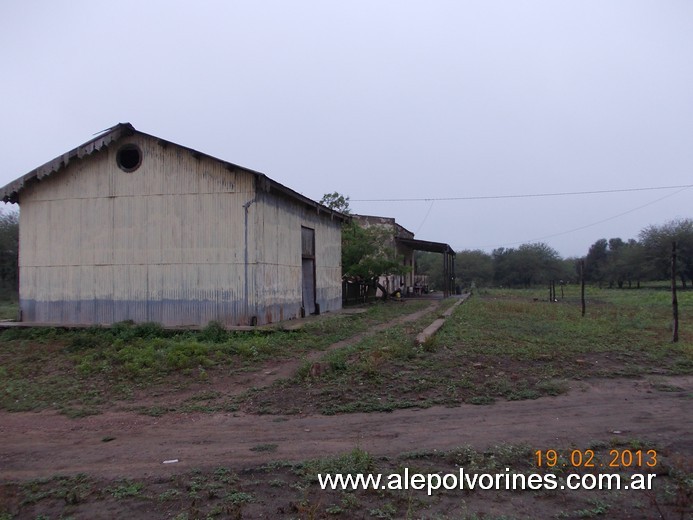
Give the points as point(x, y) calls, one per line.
point(453, 281)
point(582, 285)
point(674, 299)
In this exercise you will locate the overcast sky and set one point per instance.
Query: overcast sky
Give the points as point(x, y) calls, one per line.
point(382, 100)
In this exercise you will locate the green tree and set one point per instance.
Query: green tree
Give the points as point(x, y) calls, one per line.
point(474, 267)
point(367, 253)
point(430, 264)
point(616, 262)
point(569, 270)
point(632, 261)
point(596, 262)
point(657, 240)
point(527, 265)
point(9, 251)
point(470, 267)
point(337, 202)
point(625, 263)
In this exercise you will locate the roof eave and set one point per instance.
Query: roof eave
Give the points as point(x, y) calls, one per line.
point(426, 245)
point(10, 192)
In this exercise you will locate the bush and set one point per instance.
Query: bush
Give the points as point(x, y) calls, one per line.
point(187, 355)
point(128, 331)
point(214, 332)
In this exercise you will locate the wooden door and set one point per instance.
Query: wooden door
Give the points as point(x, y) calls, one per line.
point(308, 269)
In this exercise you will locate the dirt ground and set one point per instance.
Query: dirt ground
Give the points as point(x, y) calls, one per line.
point(126, 444)
point(44, 444)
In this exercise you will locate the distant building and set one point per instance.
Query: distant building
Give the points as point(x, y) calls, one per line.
point(129, 226)
point(404, 243)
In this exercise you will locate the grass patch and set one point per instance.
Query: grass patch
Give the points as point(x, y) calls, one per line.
point(354, 462)
point(125, 489)
point(501, 345)
point(79, 372)
point(291, 490)
point(9, 309)
point(71, 490)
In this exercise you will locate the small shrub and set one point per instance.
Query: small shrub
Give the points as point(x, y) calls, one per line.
point(90, 339)
point(355, 461)
point(214, 332)
point(553, 387)
point(481, 399)
point(239, 497)
point(137, 359)
point(170, 494)
point(128, 330)
point(187, 355)
point(520, 395)
point(126, 488)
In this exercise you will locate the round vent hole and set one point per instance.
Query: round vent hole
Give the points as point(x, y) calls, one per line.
point(129, 158)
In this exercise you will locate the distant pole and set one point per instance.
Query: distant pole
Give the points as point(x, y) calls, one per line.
point(674, 299)
point(582, 285)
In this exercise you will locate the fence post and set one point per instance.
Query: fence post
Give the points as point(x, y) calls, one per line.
point(582, 285)
point(674, 299)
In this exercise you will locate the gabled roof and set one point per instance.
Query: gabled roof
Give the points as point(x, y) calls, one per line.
point(10, 192)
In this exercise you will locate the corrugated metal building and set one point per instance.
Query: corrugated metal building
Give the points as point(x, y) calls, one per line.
point(132, 227)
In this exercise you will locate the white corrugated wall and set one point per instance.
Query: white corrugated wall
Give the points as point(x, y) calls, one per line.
point(168, 242)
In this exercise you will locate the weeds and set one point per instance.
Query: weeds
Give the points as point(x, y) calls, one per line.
point(503, 345)
point(78, 371)
point(351, 463)
point(72, 490)
point(292, 489)
point(264, 448)
point(9, 307)
point(125, 489)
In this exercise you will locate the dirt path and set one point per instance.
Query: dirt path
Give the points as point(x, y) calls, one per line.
point(43, 444)
point(284, 369)
point(236, 382)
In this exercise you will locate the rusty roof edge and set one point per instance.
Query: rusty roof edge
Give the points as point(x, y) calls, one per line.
point(9, 192)
point(302, 198)
point(262, 178)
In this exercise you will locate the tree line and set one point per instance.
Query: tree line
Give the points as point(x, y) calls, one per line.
point(608, 262)
point(366, 254)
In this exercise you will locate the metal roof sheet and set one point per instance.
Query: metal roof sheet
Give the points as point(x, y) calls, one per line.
point(10, 192)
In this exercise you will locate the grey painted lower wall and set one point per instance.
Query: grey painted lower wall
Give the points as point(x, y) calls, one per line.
point(171, 313)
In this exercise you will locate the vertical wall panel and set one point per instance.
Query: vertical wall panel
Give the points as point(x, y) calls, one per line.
point(182, 240)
